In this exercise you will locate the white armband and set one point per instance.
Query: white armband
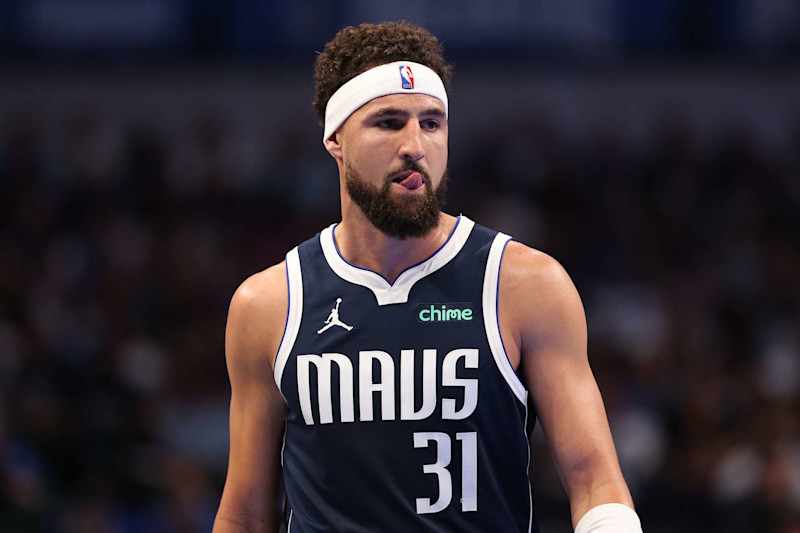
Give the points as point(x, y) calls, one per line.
point(609, 518)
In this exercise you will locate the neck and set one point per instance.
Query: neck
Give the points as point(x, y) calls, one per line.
point(363, 245)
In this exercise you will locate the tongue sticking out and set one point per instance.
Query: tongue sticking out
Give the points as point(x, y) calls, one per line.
point(412, 181)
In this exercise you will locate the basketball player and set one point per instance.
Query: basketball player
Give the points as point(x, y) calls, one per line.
point(392, 367)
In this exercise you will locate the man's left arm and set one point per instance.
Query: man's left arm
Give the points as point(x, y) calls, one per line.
point(544, 328)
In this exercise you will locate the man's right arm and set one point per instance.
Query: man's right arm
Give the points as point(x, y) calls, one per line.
point(256, 320)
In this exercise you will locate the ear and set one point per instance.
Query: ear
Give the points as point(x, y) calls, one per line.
point(334, 147)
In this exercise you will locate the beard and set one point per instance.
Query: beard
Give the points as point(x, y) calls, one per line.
point(399, 216)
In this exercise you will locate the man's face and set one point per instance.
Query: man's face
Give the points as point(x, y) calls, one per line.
point(394, 152)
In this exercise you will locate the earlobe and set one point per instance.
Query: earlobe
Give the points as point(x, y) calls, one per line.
point(333, 146)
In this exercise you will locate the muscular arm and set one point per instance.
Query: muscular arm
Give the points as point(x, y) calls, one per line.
point(255, 324)
point(544, 326)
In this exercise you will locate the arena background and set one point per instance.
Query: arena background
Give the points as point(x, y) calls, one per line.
point(154, 153)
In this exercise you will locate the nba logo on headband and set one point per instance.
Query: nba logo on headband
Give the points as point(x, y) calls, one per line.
point(406, 77)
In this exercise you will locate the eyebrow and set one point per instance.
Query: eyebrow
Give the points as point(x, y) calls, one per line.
point(396, 112)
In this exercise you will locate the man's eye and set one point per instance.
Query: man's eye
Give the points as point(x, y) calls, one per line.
point(430, 124)
point(389, 124)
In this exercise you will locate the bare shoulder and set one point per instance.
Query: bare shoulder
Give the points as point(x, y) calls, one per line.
point(257, 315)
point(259, 291)
point(524, 266)
point(537, 296)
point(532, 278)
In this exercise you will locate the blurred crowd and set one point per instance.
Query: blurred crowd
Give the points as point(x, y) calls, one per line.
point(121, 243)
point(687, 256)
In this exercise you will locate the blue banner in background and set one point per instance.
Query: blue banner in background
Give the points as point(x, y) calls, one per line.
point(508, 30)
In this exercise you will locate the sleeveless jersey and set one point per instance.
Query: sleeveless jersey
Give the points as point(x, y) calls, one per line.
point(403, 411)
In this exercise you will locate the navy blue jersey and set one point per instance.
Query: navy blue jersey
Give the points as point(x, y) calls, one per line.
point(403, 411)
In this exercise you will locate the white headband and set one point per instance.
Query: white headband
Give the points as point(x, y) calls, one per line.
point(391, 78)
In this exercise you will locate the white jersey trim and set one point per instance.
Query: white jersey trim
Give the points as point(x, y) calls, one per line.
point(294, 313)
point(394, 293)
point(491, 286)
point(528, 469)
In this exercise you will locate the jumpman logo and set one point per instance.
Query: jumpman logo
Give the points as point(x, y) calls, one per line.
point(333, 319)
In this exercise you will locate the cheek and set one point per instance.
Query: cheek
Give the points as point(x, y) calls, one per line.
point(365, 163)
point(441, 158)
point(369, 149)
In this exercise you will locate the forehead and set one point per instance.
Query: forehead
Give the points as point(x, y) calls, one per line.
point(413, 103)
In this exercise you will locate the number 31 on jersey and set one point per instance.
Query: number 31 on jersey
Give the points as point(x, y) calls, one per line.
point(469, 470)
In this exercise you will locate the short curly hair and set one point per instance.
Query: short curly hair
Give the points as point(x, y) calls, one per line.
point(356, 50)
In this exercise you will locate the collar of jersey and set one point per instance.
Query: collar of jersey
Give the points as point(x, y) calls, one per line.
point(394, 293)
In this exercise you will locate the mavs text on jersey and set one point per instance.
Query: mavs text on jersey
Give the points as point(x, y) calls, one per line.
point(403, 411)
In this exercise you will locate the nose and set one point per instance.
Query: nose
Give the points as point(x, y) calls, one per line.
point(412, 147)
